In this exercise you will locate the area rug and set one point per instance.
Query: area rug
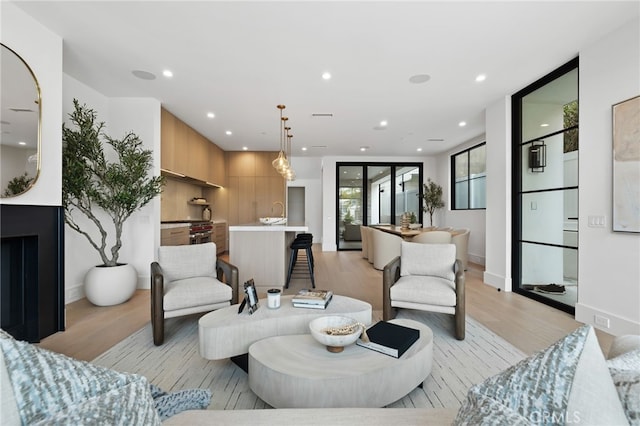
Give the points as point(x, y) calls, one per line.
point(177, 364)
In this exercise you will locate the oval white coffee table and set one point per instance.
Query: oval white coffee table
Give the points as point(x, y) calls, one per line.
point(298, 372)
point(224, 333)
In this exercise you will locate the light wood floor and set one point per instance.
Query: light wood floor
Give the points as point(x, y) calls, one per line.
point(526, 324)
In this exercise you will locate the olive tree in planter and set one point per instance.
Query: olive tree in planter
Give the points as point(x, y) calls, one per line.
point(431, 198)
point(90, 183)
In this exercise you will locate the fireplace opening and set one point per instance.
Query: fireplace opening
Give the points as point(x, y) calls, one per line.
point(18, 295)
point(31, 271)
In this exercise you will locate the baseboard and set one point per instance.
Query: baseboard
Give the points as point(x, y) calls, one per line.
point(72, 294)
point(618, 326)
point(479, 260)
point(501, 283)
point(144, 282)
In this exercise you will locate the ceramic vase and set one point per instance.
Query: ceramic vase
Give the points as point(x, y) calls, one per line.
point(110, 285)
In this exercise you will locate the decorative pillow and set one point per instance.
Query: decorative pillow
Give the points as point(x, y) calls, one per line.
point(625, 371)
point(627, 383)
point(180, 262)
point(53, 388)
point(170, 404)
point(567, 383)
point(428, 259)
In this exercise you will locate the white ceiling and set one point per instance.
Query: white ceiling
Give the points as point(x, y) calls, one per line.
point(240, 59)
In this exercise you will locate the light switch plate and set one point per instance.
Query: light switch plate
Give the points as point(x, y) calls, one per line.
point(596, 222)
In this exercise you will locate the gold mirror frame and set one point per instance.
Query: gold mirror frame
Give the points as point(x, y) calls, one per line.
point(19, 135)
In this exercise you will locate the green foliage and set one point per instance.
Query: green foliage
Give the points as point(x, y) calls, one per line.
point(570, 118)
point(431, 198)
point(89, 180)
point(18, 185)
point(348, 218)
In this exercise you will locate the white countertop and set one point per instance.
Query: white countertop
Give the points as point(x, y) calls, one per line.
point(253, 227)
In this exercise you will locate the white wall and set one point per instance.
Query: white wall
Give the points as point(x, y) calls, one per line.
point(498, 213)
point(309, 176)
point(609, 266)
point(141, 233)
point(42, 50)
point(474, 220)
point(329, 190)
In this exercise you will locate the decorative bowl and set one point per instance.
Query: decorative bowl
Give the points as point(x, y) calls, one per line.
point(346, 331)
point(273, 220)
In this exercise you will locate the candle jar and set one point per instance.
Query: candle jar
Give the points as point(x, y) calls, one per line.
point(273, 298)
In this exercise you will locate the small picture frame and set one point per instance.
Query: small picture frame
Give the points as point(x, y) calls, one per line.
point(251, 296)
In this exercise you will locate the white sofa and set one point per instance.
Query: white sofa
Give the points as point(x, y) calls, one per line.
point(127, 396)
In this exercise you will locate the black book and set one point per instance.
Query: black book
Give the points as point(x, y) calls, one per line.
point(389, 338)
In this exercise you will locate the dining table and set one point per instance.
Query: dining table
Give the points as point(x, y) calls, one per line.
point(407, 233)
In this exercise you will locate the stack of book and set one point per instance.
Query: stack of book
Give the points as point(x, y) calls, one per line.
point(312, 299)
point(389, 338)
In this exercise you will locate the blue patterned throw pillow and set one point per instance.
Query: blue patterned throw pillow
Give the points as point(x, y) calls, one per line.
point(55, 389)
point(170, 404)
point(568, 383)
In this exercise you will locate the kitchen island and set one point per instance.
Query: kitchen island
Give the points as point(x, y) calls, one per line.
point(262, 252)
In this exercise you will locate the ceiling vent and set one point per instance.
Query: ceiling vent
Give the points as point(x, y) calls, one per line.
point(318, 115)
point(21, 110)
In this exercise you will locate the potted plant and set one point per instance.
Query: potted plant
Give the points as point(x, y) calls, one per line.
point(431, 198)
point(18, 185)
point(92, 185)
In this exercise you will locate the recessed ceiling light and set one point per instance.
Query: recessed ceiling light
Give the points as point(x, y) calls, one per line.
point(363, 148)
point(210, 115)
point(383, 123)
point(228, 132)
point(326, 76)
point(167, 73)
point(544, 125)
point(462, 123)
point(419, 149)
point(144, 75)
point(419, 78)
point(22, 143)
point(481, 77)
point(304, 148)
point(244, 148)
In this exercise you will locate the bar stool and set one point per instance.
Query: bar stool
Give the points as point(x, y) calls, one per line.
point(302, 241)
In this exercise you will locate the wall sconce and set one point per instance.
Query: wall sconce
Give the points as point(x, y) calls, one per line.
point(538, 156)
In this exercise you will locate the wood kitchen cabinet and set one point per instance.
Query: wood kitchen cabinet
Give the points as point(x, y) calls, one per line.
point(167, 140)
point(198, 155)
point(186, 152)
point(219, 236)
point(176, 236)
point(180, 152)
point(253, 186)
point(217, 170)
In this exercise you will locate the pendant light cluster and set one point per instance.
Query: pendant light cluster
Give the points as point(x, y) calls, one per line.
point(282, 163)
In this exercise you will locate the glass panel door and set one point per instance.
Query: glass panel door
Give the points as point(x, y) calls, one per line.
point(374, 193)
point(407, 192)
point(546, 189)
point(379, 188)
point(350, 206)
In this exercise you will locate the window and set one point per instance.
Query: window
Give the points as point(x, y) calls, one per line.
point(469, 178)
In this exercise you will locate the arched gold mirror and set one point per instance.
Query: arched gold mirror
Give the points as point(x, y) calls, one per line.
point(19, 124)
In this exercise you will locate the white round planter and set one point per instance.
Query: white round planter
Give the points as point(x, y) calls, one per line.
point(107, 286)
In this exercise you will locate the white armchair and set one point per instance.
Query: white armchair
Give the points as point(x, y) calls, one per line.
point(187, 280)
point(433, 237)
point(386, 246)
point(364, 233)
point(461, 240)
point(425, 277)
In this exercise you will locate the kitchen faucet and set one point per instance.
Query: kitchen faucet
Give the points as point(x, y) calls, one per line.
point(281, 205)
